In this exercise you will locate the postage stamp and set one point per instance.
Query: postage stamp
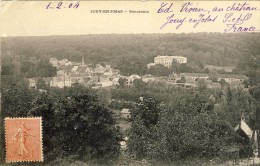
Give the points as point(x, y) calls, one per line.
point(23, 138)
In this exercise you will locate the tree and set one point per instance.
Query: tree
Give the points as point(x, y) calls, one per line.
point(182, 80)
point(79, 125)
point(175, 66)
point(202, 85)
point(104, 95)
point(189, 129)
point(40, 84)
point(143, 117)
point(16, 101)
point(122, 82)
point(223, 82)
point(28, 69)
point(159, 70)
point(8, 69)
point(213, 75)
point(139, 84)
point(45, 69)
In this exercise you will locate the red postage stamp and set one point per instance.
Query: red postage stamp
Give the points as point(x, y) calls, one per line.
point(23, 138)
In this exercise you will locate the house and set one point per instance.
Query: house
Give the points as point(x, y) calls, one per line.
point(189, 82)
point(64, 62)
point(132, 78)
point(99, 68)
point(63, 72)
point(115, 80)
point(32, 83)
point(125, 113)
point(232, 78)
point(74, 69)
point(167, 60)
point(149, 65)
point(173, 77)
point(60, 81)
point(106, 83)
point(82, 69)
point(115, 71)
point(76, 78)
point(148, 78)
point(214, 85)
point(54, 62)
point(108, 72)
point(195, 76)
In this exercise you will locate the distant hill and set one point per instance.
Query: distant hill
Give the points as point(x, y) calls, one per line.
point(133, 51)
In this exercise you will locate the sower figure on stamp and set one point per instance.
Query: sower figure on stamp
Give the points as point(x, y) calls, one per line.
point(21, 136)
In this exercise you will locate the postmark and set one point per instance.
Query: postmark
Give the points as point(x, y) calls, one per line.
point(23, 139)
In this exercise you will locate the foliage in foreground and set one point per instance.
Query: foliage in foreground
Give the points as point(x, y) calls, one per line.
point(192, 128)
point(75, 124)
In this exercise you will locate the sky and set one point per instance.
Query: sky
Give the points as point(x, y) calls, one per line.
point(31, 18)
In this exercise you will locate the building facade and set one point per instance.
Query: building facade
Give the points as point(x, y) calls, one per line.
point(167, 60)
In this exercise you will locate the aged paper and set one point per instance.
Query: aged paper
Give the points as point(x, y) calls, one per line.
point(99, 17)
point(46, 48)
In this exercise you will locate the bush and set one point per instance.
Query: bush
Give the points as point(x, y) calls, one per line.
point(78, 125)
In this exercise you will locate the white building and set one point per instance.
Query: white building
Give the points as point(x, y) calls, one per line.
point(32, 83)
point(125, 113)
point(60, 81)
point(195, 76)
point(232, 78)
point(167, 60)
point(149, 65)
point(54, 62)
point(147, 78)
point(106, 83)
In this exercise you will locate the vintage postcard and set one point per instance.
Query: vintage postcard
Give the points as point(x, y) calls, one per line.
point(130, 82)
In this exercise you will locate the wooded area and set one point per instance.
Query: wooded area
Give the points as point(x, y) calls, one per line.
point(169, 124)
point(130, 53)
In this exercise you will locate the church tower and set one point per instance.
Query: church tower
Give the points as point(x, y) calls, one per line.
point(82, 61)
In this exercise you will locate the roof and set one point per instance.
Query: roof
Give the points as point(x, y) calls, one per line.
point(74, 68)
point(99, 66)
point(173, 75)
point(148, 76)
point(61, 78)
point(47, 79)
point(195, 74)
point(75, 75)
point(75, 63)
point(125, 111)
point(31, 80)
point(190, 81)
point(82, 69)
point(237, 76)
point(171, 57)
point(68, 68)
point(135, 76)
point(115, 70)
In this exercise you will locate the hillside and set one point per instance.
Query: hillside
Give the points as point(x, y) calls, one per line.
point(131, 52)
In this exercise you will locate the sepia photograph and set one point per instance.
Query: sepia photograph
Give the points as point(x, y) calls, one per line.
point(133, 83)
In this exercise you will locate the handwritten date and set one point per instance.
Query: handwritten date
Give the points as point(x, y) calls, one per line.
point(62, 5)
